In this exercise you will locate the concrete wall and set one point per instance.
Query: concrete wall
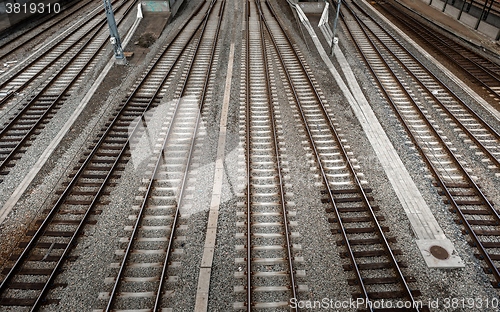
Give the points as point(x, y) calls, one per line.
point(312, 7)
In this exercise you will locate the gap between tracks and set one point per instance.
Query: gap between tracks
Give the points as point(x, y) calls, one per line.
point(203, 288)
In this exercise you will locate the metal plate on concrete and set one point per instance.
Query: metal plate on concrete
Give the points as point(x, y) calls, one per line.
point(439, 253)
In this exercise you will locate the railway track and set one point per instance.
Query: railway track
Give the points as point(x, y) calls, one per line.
point(413, 103)
point(432, 95)
point(38, 69)
point(480, 70)
point(370, 256)
point(25, 39)
point(29, 277)
point(268, 257)
point(30, 119)
point(144, 276)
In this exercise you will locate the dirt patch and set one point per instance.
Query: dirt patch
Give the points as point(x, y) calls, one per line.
point(146, 40)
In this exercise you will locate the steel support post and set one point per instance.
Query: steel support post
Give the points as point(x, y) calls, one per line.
point(114, 35)
point(334, 30)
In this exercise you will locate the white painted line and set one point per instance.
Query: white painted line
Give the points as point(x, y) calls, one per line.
point(16, 195)
point(423, 222)
point(203, 288)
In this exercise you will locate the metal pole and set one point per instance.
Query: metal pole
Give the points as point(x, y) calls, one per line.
point(114, 35)
point(461, 10)
point(481, 16)
point(488, 11)
point(470, 5)
point(334, 30)
point(444, 7)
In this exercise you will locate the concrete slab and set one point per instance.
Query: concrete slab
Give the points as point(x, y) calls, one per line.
point(423, 222)
point(155, 16)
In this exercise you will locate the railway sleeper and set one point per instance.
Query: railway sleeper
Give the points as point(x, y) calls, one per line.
point(355, 219)
point(13, 138)
point(46, 258)
point(93, 168)
point(371, 253)
point(374, 266)
point(96, 176)
point(486, 244)
point(101, 154)
point(494, 257)
point(471, 211)
point(29, 271)
point(66, 222)
point(479, 222)
point(366, 241)
point(379, 280)
point(387, 294)
point(76, 202)
point(359, 230)
point(351, 209)
point(84, 193)
point(484, 232)
point(44, 245)
point(465, 202)
point(25, 302)
point(93, 212)
point(52, 233)
point(355, 199)
point(34, 286)
point(454, 185)
point(7, 144)
point(468, 192)
point(346, 191)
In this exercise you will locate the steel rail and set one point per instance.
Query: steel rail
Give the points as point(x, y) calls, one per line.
point(39, 232)
point(422, 113)
point(59, 97)
point(13, 50)
point(98, 25)
point(385, 243)
point(483, 123)
point(286, 223)
point(424, 33)
point(492, 268)
point(20, 113)
point(158, 163)
point(181, 193)
point(48, 65)
point(248, 168)
point(275, 143)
